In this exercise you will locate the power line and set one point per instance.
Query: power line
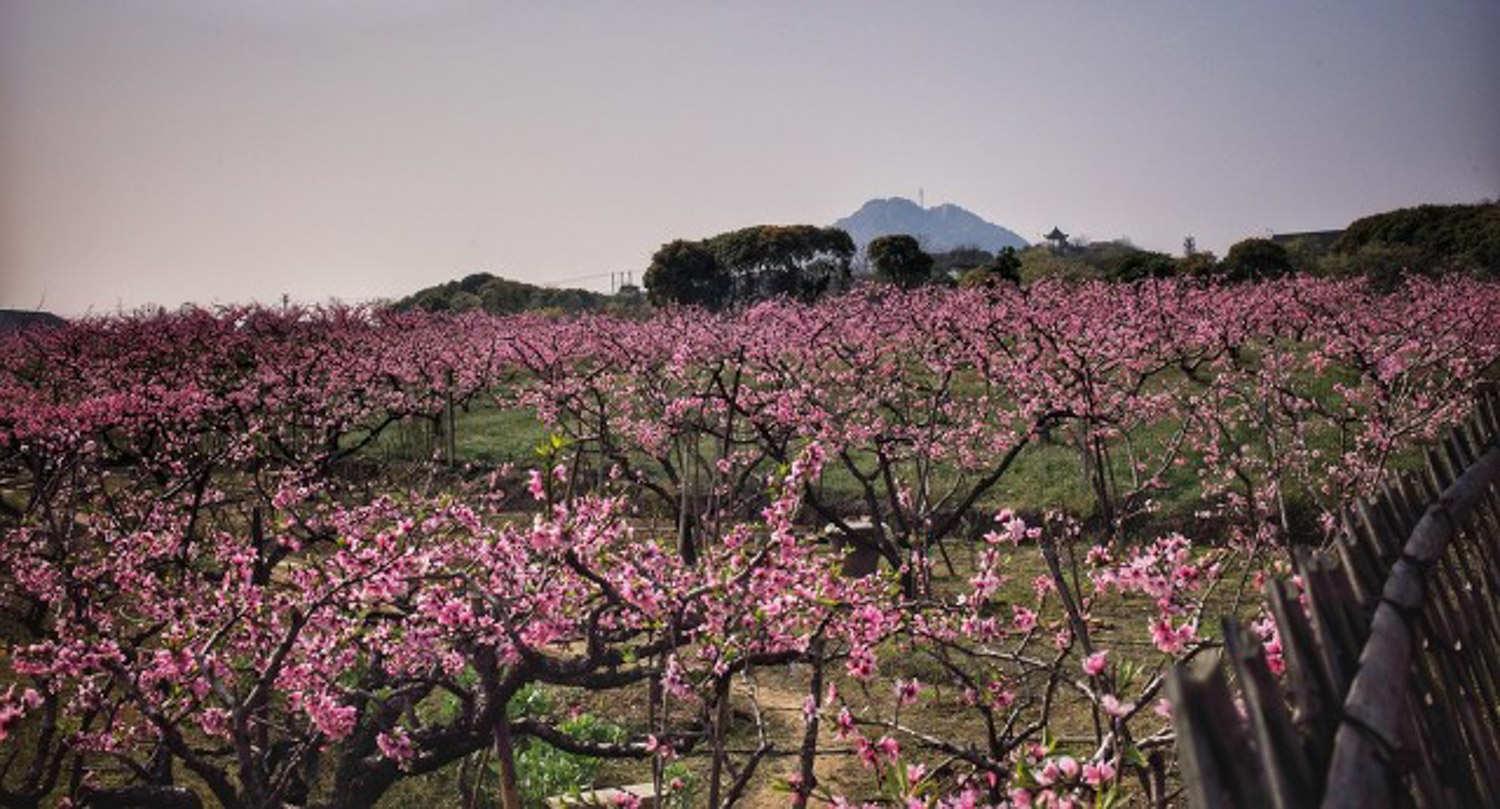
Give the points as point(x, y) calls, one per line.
point(574, 278)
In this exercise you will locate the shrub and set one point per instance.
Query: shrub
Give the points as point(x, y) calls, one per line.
point(901, 261)
point(1448, 236)
point(1255, 260)
point(1385, 265)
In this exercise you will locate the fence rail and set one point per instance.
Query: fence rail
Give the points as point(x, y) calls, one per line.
point(1391, 695)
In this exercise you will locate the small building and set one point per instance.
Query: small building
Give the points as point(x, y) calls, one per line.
point(1057, 239)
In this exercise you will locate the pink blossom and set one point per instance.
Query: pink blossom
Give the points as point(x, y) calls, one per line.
point(1171, 639)
point(396, 745)
point(1094, 664)
point(1114, 707)
point(1097, 774)
point(845, 722)
point(1023, 619)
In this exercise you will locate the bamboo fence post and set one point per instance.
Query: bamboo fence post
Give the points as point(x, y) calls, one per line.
point(1392, 653)
point(1373, 712)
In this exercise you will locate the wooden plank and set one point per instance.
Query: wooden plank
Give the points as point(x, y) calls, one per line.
point(1203, 781)
point(1314, 702)
point(1289, 777)
point(1392, 670)
point(1219, 766)
point(1375, 704)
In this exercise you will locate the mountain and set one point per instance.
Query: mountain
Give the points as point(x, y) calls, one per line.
point(939, 229)
point(17, 319)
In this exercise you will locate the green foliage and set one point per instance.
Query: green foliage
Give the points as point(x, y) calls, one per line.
point(1384, 265)
point(1103, 256)
point(680, 786)
point(1041, 262)
point(474, 282)
point(1119, 260)
point(1135, 265)
point(750, 264)
point(801, 261)
point(958, 261)
point(1255, 260)
point(501, 296)
point(15, 319)
point(1007, 265)
point(1004, 268)
point(687, 273)
point(1116, 260)
point(464, 301)
point(900, 260)
point(1198, 264)
point(543, 770)
point(978, 277)
point(1463, 237)
point(1307, 253)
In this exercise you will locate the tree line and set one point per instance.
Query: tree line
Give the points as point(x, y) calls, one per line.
point(727, 270)
point(804, 262)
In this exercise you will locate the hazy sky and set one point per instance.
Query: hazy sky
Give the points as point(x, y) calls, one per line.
point(214, 152)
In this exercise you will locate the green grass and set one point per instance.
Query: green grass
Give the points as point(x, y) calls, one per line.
point(485, 434)
point(492, 436)
point(1045, 475)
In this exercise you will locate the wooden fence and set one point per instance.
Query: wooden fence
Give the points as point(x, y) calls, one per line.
point(1391, 695)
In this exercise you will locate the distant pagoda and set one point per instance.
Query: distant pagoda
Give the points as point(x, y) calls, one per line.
point(1057, 238)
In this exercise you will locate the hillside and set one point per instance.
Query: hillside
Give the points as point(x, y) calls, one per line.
point(940, 228)
point(504, 296)
point(1449, 236)
point(17, 319)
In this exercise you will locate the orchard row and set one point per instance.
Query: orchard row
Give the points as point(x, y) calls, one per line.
point(210, 586)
